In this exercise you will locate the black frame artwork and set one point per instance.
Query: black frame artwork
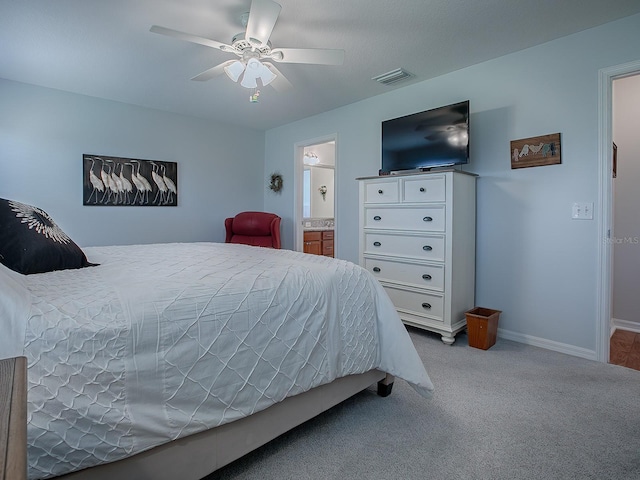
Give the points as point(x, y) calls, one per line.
point(118, 181)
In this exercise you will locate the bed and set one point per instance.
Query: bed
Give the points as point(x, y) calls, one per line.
point(172, 360)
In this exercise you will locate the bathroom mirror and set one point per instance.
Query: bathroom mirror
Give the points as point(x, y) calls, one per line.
point(318, 195)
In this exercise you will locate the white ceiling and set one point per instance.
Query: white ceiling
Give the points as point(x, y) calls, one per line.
point(103, 48)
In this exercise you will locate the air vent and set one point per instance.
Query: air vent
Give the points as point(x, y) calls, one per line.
point(394, 76)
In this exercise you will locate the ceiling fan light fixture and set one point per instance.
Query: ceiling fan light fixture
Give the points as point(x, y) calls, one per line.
point(254, 70)
point(249, 82)
point(253, 64)
point(250, 75)
point(266, 75)
point(234, 70)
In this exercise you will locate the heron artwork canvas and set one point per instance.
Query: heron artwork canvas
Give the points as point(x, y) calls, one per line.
point(117, 181)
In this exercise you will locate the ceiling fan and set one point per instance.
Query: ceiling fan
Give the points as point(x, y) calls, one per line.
point(253, 47)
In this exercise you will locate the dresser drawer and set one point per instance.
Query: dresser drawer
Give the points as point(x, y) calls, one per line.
point(382, 192)
point(417, 275)
point(417, 303)
point(424, 189)
point(430, 219)
point(424, 247)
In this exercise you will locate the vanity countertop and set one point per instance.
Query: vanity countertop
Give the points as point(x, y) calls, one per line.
point(317, 229)
point(318, 224)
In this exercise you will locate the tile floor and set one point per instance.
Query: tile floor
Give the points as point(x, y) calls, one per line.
point(624, 349)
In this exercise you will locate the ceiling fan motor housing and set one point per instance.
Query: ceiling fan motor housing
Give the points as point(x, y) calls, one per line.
point(241, 45)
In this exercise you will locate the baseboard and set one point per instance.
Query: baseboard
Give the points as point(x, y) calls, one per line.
point(616, 323)
point(548, 344)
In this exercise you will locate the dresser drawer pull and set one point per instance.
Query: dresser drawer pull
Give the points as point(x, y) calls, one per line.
point(426, 276)
point(380, 192)
point(377, 218)
point(376, 244)
point(422, 189)
point(376, 269)
point(426, 306)
point(427, 248)
point(427, 219)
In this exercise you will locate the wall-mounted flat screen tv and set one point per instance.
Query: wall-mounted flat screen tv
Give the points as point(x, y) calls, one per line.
point(433, 138)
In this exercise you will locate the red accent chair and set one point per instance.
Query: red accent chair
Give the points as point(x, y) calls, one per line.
point(259, 229)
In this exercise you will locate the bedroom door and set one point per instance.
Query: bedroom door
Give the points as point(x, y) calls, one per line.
point(317, 196)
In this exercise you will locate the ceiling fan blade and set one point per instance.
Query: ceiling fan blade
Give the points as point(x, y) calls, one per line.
point(187, 37)
point(212, 72)
point(280, 83)
point(320, 56)
point(262, 18)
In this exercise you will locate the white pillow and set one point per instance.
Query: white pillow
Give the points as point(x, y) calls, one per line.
point(15, 302)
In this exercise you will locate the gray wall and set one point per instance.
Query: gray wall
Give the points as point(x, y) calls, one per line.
point(534, 262)
point(44, 132)
point(626, 246)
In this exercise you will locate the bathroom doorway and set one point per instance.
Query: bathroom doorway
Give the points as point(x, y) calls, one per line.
point(316, 198)
point(607, 234)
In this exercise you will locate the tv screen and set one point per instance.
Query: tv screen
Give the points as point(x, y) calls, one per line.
point(433, 138)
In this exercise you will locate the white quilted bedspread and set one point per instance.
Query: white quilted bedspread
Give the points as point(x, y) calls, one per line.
point(162, 341)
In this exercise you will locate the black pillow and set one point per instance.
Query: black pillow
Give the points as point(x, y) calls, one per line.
point(31, 242)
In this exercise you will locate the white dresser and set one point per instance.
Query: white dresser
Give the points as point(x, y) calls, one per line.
point(417, 237)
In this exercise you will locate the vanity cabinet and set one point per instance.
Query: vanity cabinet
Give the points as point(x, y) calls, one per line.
point(318, 242)
point(327, 243)
point(417, 237)
point(313, 242)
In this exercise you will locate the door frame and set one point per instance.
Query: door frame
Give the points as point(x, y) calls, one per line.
point(298, 172)
point(606, 76)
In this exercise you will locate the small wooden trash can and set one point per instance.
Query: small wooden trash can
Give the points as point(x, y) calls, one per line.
point(482, 327)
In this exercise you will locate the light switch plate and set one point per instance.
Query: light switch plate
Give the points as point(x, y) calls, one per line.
point(582, 211)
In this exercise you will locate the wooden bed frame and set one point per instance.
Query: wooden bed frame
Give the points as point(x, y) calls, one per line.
point(13, 418)
point(196, 456)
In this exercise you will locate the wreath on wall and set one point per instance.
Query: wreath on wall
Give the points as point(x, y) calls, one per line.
point(276, 182)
